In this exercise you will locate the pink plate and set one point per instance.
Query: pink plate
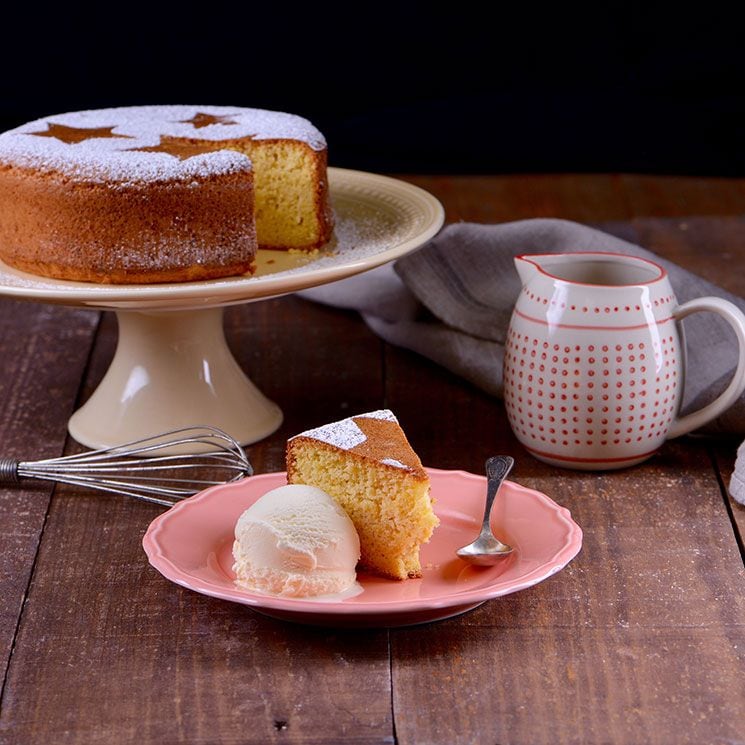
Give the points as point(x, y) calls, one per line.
point(191, 544)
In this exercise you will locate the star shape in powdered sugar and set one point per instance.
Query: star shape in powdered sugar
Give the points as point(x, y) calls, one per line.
point(73, 135)
point(384, 436)
point(179, 148)
point(201, 119)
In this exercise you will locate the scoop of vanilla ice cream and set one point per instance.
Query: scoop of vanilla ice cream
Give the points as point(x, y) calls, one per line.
point(295, 541)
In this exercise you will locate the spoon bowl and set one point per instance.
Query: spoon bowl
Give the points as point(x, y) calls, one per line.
point(487, 549)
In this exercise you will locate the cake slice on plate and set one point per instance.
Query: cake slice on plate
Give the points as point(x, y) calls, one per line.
point(368, 466)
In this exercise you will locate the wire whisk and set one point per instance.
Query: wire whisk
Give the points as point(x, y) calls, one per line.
point(142, 469)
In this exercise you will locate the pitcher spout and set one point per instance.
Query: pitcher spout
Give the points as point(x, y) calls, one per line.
point(527, 268)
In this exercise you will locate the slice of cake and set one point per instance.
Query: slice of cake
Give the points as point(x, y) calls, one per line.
point(366, 464)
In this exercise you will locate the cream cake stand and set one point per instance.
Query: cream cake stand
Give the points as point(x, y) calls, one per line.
point(172, 366)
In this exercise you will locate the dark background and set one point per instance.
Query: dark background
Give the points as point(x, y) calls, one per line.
point(480, 88)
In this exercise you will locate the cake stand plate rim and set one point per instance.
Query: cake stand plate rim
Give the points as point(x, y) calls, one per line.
point(424, 211)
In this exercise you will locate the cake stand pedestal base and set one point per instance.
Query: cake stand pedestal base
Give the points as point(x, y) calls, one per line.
point(173, 369)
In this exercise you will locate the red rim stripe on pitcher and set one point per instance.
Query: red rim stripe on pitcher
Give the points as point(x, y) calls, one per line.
point(589, 460)
point(528, 258)
point(590, 328)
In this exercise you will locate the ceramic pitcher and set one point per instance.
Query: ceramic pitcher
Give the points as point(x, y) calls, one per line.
point(595, 362)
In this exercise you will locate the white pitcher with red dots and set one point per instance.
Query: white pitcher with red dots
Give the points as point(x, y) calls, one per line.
point(594, 362)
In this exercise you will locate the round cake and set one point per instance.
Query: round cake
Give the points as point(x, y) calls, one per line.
point(160, 193)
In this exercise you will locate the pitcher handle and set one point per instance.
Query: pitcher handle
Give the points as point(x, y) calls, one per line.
point(734, 316)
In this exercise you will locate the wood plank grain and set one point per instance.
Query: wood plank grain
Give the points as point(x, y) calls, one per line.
point(711, 244)
point(524, 685)
point(707, 246)
point(658, 562)
point(638, 640)
point(684, 196)
point(582, 197)
point(109, 651)
point(714, 248)
point(45, 350)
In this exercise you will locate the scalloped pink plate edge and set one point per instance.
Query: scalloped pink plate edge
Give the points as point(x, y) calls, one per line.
point(191, 544)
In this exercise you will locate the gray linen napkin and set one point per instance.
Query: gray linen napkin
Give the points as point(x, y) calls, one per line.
point(452, 300)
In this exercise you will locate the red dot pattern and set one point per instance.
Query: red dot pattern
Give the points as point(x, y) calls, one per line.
point(569, 396)
point(535, 302)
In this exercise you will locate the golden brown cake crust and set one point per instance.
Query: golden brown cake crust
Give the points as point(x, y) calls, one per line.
point(376, 435)
point(134, 233)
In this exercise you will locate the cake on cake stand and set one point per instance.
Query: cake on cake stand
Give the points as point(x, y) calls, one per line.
point(172, 367)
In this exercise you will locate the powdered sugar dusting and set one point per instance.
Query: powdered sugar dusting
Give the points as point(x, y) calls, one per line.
point(116, 158)
point(386, 414)
point(345, 434)
point(394, 462)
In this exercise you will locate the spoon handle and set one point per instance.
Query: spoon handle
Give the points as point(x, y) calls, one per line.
point(497, 468)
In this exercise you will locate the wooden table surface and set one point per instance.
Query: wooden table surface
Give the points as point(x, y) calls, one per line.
point(641, 639)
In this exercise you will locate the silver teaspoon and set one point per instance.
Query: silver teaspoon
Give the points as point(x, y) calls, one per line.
point(486, 549)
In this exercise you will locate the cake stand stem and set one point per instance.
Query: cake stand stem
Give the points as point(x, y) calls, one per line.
point(173, 369)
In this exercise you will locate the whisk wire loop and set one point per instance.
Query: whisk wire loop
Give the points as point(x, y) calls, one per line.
point(146, 469)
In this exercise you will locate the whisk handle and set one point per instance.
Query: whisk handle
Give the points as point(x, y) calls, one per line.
point(9, 470)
